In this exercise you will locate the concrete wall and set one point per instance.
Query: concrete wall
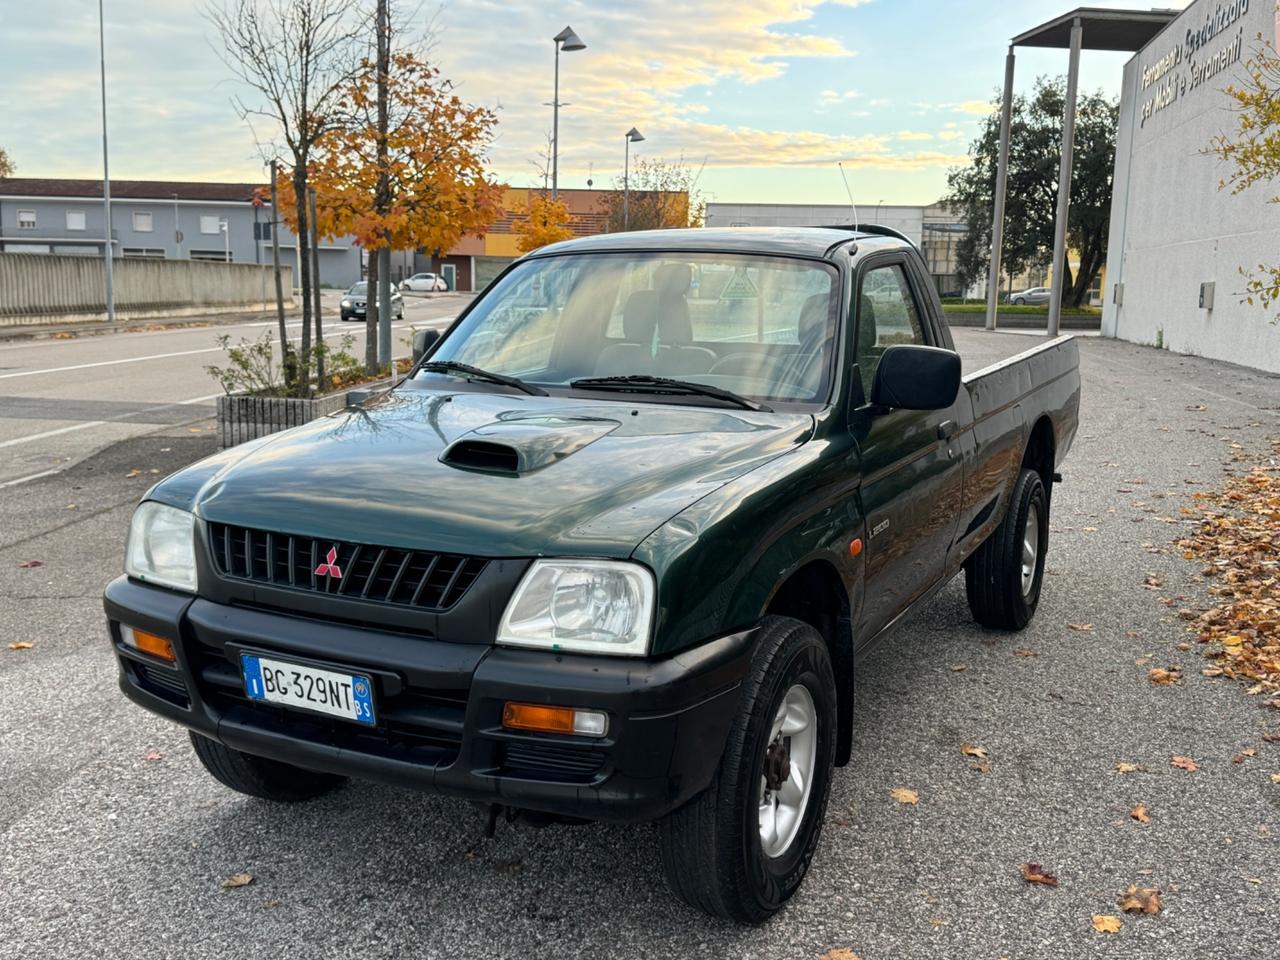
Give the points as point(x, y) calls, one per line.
point(43, 288)
point(1171, 227)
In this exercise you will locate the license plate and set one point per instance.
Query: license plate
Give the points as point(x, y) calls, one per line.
point(345, 695)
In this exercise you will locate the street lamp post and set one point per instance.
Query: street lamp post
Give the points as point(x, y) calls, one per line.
point(569, 41)
point(226, 241)
point(106, 174)
point(632, 136)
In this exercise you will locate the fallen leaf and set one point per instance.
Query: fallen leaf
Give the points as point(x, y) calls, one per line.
point(1126, 767)
point(1132, 634)
point(1140, 900)
point(1184, 763)
point(1034, 873)
point(939, 921)
point(969, 750)
point(1140, 814)
point(839, 953)
point(135, 472)
point(1275, 778)
point(1080, 626)
point(21, 645)
point(237, 880)
point(1105, 923)
point(981, 767)
point(1089, 529)
point(30, 564)
point(903, 795)
point(1246, 752)
point(1020, 652)
point(152, 755)
point(1165, 678)
point(957, 667)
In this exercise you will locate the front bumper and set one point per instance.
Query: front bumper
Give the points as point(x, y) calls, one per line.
point(439, 707)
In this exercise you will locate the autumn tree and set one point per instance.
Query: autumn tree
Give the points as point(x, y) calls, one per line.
point(1035, 150)
point(435, 176)
point(664, 194)
point(298, 58)
point(6, 165)
point(1252, 153)
point(546, 221)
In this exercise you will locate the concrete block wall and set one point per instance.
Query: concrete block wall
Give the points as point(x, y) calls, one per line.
point(40, 288)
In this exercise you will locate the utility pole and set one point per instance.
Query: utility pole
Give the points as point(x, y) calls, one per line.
point(275, 263)
point(315, 287)
point(383, 200)
point(108, 254)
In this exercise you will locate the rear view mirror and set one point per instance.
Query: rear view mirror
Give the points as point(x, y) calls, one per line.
point(423, 341)
point(911, 377)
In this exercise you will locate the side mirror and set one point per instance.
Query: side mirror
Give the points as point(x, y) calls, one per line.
point(423, 341)
point(912, 377)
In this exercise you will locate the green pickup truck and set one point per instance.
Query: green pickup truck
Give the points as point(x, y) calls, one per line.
point(613, 550)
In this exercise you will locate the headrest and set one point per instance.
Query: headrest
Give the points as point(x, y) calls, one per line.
point(866, 325)
point(673, 279)
point(640, 317)
point(813, 317)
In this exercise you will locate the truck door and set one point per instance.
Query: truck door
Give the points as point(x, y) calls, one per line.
point(912, 476)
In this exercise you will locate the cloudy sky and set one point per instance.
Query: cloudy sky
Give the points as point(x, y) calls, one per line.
point(765, 95)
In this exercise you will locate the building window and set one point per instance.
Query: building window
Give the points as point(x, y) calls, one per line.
point(209, 225)
point(143, 253)
point(262, 230)
point(26, 219)
point(218, 255)
point(142, 223)
point(75, 219)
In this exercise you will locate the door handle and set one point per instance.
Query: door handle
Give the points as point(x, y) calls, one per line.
point(946, 429)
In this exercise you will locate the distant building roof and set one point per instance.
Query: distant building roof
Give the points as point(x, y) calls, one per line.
point(128, 189)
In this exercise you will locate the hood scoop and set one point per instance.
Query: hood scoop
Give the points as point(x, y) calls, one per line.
point(518, 446)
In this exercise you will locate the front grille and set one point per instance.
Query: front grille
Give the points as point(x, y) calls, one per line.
point(409, 578)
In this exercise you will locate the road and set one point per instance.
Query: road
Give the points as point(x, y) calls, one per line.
point(106, 853)
point(61, 400)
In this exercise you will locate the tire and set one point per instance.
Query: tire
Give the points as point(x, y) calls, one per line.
point(712, 848)
point(260, 777)
point(1001, 578)
point(1018, 301)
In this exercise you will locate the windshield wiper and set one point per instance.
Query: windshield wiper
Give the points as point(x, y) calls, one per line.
point(475, 373)
point(644, 383)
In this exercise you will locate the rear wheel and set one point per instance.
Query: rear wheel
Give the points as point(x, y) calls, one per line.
point(740, 849)
point(260, 777)
point(1003, 577)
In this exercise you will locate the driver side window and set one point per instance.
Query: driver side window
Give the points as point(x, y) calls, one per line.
point(885, 315)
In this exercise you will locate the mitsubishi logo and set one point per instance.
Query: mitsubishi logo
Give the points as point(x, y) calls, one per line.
point(330, 566)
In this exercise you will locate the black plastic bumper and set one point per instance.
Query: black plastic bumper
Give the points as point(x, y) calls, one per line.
point(439, 707)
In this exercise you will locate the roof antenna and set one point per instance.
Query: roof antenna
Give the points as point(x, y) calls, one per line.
point(840, 164)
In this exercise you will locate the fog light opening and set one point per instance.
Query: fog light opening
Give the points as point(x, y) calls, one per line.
point(149, 643)
point(544, 719)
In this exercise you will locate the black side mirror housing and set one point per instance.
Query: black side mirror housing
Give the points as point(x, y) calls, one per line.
point(911, 377)
point(423, 341)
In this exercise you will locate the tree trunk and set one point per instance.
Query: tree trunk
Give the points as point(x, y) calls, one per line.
point(286, 362)
point(302, 239)
point(315, 285)
point(371, 316)
point(382, 201)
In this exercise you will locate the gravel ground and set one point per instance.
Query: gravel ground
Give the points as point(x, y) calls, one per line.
point(104, 853)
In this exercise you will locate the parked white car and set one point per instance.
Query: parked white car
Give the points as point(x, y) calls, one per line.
point(424, 282)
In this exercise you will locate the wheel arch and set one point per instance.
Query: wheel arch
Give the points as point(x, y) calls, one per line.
point(1040, 452)
point(814, 593)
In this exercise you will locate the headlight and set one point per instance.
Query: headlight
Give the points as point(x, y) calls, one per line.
point(346, 304)
point(161, 547)
point(582, 606)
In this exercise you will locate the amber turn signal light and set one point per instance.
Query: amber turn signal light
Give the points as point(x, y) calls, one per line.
point(149, 643)
point(531, 716)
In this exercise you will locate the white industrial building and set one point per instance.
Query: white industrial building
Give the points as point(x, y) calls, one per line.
point(1177, 241)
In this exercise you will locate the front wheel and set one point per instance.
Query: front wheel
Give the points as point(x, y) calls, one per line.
point(740, 849)
point(1002, 579)
point(260, 777)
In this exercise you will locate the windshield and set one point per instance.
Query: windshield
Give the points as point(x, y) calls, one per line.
point(359, 288)
point(761, 327)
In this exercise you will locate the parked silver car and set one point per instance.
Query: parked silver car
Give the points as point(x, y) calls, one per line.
point(1033, 295)
point(424, 282)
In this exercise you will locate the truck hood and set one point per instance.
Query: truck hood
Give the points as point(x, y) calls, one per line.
point(485, 474)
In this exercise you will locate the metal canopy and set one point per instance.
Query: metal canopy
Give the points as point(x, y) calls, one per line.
point(1085, 28)
point(1104, 29)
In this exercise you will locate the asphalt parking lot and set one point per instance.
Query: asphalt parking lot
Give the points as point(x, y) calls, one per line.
point(114, 842)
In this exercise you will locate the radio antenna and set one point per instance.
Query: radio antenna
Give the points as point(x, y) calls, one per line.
point(854, 206)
